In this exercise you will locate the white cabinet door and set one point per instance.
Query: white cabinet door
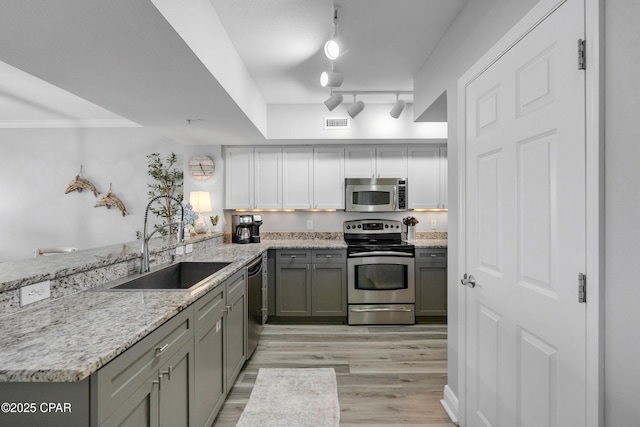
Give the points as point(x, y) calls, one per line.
point(360, 162)
point(328, 178)
point(391, 162)
point(444, 180)
point(297, 177)
point(238, 178)
point(268, 178)
point(424, 177)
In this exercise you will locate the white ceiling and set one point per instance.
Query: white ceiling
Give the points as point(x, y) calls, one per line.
point(281, 42)
point(132, 66)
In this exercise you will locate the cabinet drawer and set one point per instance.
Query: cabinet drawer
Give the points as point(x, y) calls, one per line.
point(294, 256)
point(324, 256)
point(431, 256)
point(210, 306)
point(121, 377)
point(236, 286)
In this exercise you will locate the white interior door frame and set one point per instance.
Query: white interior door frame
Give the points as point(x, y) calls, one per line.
point(594, 110)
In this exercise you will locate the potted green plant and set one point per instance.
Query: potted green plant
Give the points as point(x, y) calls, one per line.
point(167, 181)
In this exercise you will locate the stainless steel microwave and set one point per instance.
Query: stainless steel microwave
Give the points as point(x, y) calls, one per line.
point(376, 195)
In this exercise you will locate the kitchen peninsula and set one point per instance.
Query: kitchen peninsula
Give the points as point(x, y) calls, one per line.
point(71, 336)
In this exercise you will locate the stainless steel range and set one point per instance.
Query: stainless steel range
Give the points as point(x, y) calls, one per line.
point(380, 273)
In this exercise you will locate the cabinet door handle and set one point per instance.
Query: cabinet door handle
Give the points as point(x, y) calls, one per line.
point(229, 308)
point(328, 256)
point(167, 373)
point(159, 350)
point(293, 256)
point(157, 382)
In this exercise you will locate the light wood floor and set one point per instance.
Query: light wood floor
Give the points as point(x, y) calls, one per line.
point(387, 375)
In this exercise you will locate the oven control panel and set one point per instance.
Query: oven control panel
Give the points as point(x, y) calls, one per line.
point(372, 226)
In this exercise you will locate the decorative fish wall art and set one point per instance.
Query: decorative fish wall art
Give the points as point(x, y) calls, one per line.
point(80, 184)
point(110, 200)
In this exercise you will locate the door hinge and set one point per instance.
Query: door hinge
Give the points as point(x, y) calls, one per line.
point(582, 287)
point(582, 55)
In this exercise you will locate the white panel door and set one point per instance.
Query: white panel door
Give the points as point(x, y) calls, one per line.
point(525, 231)
point(423, 177)
point(328, 178)
point(391, 162)
point(268, 178)
point(238, 164)
point(297, 177)
point(360, 162)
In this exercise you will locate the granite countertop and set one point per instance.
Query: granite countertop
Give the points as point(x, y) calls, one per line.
point(65, 339)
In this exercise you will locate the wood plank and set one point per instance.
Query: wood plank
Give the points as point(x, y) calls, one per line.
point(387, 375)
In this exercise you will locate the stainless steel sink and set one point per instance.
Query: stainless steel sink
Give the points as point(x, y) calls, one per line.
point(184, 276)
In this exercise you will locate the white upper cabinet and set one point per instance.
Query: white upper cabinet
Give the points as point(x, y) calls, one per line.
point(360, 162)
point(376, 162)
point(391, 162)
point(314, 177)
point(238, 178)
point(297, 177)
point(267, 178)
point(328, 178)
point(424, 177)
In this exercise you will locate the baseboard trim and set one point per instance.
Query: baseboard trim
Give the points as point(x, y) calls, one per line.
point(450, 404)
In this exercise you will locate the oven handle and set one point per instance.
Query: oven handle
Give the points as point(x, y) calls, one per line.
point(364, 310)
point(380, 253)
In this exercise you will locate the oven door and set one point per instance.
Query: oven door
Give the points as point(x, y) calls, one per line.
point(371, 198)
point(381, 279)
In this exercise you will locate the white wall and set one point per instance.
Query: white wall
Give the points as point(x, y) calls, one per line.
point(306, 121)
point(476, 29)
point(214, 185)
point(37, 165)
point(622, 218)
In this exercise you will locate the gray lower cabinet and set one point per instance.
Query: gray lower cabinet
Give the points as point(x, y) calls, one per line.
point(431, 283)
point(236, 327)
point(210, 389)
point(311, 283)
point(177, 376)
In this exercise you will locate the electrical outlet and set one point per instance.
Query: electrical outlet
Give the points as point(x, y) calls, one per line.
point(309, 224)
point(36, 292)
point(189, 248)
point(434, 224)
point(179, 250)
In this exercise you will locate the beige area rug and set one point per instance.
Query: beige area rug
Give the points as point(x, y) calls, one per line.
point(293, 397)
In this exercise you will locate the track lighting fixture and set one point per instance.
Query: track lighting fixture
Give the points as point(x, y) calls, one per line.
point(333, 101)
point(355, 108)
point(333, 48)
point(398, 107)
point(330, 78)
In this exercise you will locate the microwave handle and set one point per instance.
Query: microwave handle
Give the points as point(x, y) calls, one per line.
point(395, 198)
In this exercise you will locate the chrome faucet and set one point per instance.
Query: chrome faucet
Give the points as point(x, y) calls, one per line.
point(144, 263)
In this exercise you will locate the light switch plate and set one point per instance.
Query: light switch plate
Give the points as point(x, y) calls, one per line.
point(189, 248)
point(309, 224)
point(36, 292)
point(434, 224)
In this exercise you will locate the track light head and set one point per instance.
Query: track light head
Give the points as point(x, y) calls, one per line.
point(398, 108)
point(330, 79)
point(332, 49)
point(355, 109)
point(333, 101)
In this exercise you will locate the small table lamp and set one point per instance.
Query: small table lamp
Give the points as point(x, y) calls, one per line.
point(201, 202)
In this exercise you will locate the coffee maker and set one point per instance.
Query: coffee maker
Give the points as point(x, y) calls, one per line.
point(255, 228)
point(241, 226)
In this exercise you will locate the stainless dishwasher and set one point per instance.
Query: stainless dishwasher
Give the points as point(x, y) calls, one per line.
point(254, 302)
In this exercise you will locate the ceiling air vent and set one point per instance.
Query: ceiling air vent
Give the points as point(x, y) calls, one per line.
point(336, 123)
